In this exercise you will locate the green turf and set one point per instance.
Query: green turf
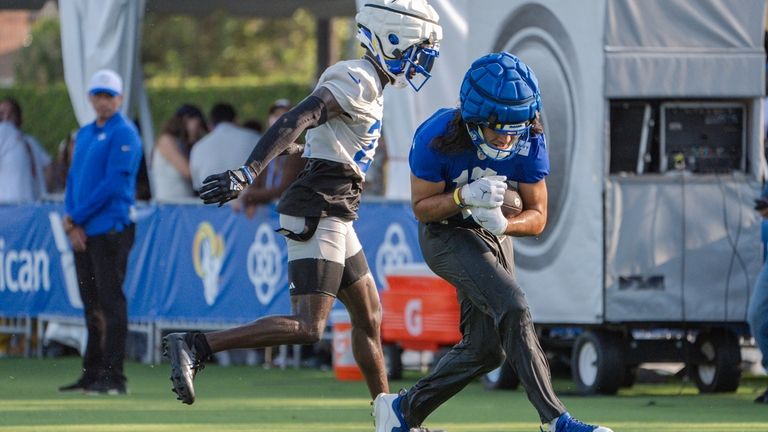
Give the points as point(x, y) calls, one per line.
point(253, 399)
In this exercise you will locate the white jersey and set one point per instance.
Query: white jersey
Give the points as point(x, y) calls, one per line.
point(350, 138)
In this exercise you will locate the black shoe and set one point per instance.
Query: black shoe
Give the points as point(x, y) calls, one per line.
point(76, 386)
point(184, 365)
point(106, 387)
point(763, 398)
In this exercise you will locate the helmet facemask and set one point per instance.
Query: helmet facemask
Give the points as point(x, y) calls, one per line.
point(520, 133)
point(414, 66)
point(410, 67)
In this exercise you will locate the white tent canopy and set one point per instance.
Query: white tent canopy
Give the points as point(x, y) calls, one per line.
point(94, 35)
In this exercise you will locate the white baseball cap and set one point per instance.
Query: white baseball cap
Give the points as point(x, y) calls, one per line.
point(106, 81)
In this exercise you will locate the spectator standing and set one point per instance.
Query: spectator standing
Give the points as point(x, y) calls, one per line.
point(100, 192)
point(19, 151)
point(16, 167)
point(280, 173)
point(56, 177)
point(226, 146)
point(170, 159)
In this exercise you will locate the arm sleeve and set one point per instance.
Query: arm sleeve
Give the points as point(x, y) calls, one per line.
point(311, 112)
point(124, 154)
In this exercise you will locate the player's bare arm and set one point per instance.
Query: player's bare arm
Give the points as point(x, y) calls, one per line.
point(429, 202)
point(532, 220)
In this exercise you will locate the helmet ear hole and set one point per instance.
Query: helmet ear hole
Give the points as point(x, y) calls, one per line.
point(393, 39)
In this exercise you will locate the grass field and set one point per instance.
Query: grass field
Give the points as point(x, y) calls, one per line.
point(253, 399)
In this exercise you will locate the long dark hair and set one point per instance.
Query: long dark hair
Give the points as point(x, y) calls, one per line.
point(456, 140)
point(176, 125)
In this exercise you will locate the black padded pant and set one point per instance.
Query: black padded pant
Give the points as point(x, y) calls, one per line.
point(495, 322)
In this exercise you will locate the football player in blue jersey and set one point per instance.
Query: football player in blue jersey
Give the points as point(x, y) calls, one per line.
point(342, 118)
point(460, 161)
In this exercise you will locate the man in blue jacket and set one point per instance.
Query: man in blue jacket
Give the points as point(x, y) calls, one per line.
point(99, 194)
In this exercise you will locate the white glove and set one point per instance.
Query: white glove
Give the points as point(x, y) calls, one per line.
point(491, 219)
point(485, 192)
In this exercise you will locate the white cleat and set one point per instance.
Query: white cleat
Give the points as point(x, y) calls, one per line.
point(386, 413)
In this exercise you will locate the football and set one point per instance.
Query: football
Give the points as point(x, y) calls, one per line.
point(513, 204)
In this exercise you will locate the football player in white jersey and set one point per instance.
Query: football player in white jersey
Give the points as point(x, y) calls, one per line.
point(342, 117)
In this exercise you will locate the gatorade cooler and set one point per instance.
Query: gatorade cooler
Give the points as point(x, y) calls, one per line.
point(344, 366)
point(421, 310)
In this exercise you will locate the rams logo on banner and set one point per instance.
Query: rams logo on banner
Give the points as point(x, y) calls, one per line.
point(208, 255)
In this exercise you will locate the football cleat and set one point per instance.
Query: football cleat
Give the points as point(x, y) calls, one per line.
point(566, 423)
point(184, 365)
point(386, 413)
point(388, 418)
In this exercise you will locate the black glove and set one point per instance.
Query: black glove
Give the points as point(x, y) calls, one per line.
point(220, 188)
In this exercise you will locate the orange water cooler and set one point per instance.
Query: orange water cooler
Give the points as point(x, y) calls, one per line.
point(421, 310)
point(344, 366)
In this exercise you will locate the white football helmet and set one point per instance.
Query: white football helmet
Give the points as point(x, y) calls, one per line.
point(403, 36)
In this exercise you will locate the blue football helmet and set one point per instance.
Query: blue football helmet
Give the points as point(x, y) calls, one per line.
point(500, 92)
point(403, 36)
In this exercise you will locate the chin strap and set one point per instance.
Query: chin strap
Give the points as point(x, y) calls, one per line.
point(380, 69)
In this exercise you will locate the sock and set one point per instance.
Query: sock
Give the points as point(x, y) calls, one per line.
point(199, 343)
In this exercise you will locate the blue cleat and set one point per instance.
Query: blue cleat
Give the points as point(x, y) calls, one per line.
point(566, 423)
point(387, 416)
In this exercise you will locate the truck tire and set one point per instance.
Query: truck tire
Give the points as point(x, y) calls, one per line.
point(393, 360)
point(503, 377)
point(720, 370)
point(630, 376)
point(597, 362)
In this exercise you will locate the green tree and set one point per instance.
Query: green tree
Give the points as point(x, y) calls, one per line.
point(180, 50)
point(40, 63)
point(176, 48)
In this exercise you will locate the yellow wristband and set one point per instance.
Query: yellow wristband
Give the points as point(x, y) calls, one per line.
point(457, 198)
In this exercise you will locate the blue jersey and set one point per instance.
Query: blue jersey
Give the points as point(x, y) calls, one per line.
point(102, 178)
point(529, 165)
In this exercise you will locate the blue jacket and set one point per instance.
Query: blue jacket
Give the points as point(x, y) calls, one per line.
point(102, 179)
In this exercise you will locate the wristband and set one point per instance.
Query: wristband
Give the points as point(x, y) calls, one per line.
point(247, 172)
point(457, 198)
